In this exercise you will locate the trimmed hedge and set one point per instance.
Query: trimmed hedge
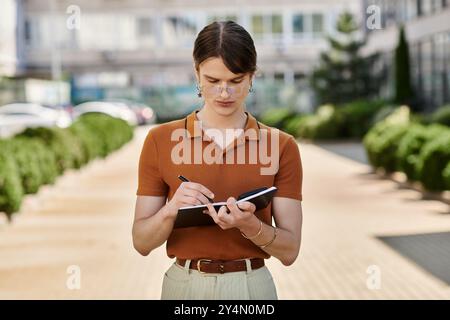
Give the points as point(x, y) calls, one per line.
point(325, 124)
point(91, 142)
point(293, 124)
point(441, 115)
point(65, 146)
point(446, 175)
point(11, 191)
point(22, 152)
point(382, 141)
point(113, 132)
point(277, 117)
point(351, 120)
point(357, 117)
point(408, 153)
point(434, 158)
point(382, 114)
point(382, 144)
point(38, 155)
point(421, 152)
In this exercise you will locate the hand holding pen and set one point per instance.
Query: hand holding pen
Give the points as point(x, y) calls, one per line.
point(188, 194)
point(182, 178)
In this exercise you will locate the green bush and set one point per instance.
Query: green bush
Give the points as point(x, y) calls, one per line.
point(382, 114)
point(91, 142)
point(27, 164)
point(38, 155)
point(382, 144)
point(357, 117)
point(411, 144)
point(11, 191)
point(325, 124)
point(422, 152)
point(66, 147)
point(434, 158)
point(277, 117)
point(36, 164)
point(293, 124)
point(351, 120)
point(46, 161)
point(441, 115)
point(446, 175)
point(112, 132)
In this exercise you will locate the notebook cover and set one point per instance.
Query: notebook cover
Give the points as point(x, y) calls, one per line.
point(194, 216)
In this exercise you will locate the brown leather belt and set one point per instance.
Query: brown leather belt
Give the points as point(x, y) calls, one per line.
point(221, 266)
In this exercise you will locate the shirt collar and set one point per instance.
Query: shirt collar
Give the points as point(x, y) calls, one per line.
point(193, 126)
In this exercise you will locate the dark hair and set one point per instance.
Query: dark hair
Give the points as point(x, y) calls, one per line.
point(229, 41)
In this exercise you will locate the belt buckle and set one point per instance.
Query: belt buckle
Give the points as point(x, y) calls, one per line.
point(199, 264)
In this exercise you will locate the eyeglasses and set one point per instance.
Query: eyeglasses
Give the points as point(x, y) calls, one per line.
point(216, 90)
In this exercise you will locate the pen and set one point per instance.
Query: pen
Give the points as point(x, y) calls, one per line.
point(186, 180)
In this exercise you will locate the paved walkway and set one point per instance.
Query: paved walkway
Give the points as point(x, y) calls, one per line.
point(85, 220)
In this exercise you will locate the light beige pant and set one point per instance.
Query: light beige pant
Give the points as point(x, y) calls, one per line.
point(183, 283)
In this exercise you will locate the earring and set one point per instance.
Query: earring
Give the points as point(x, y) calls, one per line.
point(251, 88)
point(199, 91)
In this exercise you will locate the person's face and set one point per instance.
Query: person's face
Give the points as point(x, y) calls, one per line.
point(218, 84)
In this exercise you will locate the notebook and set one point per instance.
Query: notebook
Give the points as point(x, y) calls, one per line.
point(193, 216)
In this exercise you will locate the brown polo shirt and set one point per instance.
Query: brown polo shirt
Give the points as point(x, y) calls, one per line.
point(180, 147)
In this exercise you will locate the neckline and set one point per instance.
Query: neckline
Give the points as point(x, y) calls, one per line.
point(202, 124)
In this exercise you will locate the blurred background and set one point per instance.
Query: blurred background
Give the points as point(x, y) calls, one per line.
point(364, 85)
point(142, 50)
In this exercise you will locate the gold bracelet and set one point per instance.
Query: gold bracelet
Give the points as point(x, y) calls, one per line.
point(273, 239)
point(259, 232)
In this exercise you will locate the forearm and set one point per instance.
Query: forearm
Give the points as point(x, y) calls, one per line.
point(152, 232)
point(285, 247)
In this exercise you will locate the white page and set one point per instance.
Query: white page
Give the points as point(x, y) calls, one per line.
point(239, 201)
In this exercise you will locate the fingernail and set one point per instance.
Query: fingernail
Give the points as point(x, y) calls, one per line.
point(212, 195)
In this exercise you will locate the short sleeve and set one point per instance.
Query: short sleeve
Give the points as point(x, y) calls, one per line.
point(289, 177)
point(150, 182)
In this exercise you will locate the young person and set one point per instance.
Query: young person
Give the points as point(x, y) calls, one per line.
point(225, 260)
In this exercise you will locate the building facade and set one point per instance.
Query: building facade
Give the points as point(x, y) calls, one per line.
point(139, 45)
point(427, 28)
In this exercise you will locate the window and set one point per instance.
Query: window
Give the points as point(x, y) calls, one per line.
point(144, 26)
point(228, 17)
point(317, 23)
point(231, 17)
point(414, 53)
point(27, 31)
point(299, 77)
point(277, 24)
point(298, 23)
point(278, 76)
point(267, 26)
point(447, 63)
point(428, 6)
point(258, 25)
point(439, 73)
point(411, 9)
point(427, 67)
point(179, 31)
point(33, 29)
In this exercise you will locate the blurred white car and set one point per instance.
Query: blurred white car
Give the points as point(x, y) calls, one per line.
point(144, 114)
point(117, 110)
point(15, 117)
